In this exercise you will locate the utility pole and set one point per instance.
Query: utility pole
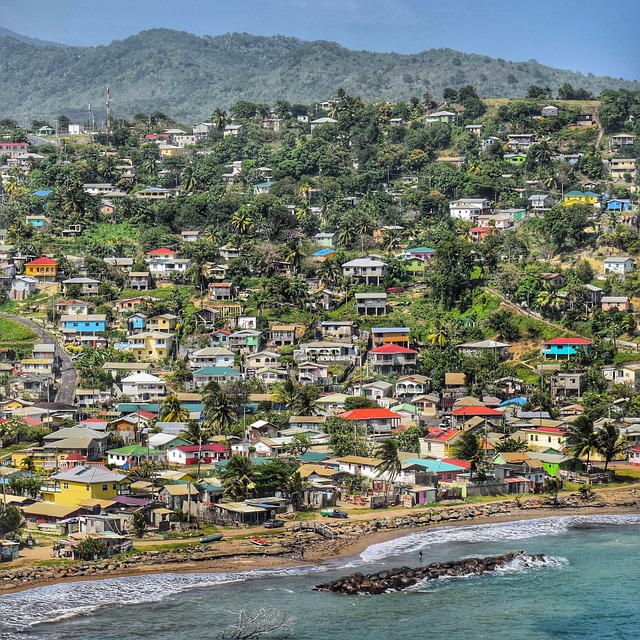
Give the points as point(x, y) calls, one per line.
point(108, 111)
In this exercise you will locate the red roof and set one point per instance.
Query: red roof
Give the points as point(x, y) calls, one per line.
point(70, 302)
point(162, 251)
point(545, 429)
point(568, 341)
point(14, 144)
point(32, 422)
point(223, 331)
point(76, 455)
point(44, 261)
point(465, 464)
point(100, 420)
point(476, 411)
point(392, 348)
point(194, 448)
point(143, 413)
point(442, 435)
point(479, 230)
point(368, 414)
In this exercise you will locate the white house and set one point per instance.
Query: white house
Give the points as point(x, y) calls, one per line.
point(469, 208)
point(211, 357)
point(365, 270)
point(619, 266)
point(141, 387)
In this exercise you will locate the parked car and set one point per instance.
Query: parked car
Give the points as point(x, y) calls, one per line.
point(334, 513)
point(274, 523)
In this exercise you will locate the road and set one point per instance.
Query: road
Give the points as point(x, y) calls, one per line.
point(67, 379)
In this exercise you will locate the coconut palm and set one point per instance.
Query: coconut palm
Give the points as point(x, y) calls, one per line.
point(610, 443)
point(238, 477)
point(286, 393)
point(548, 300)
point(19, 232)
point(188, 180)
point(582, 438)
point(438, 337)
point(329, 272)
point(346, 236)
point(242, 220)
point(219, 118)
point(294, 487)
point(629, 323)
point(172, 411)
point(212, 234)
point(391, 240)
point(198, 273)
point(387, 453)
point(468, 448)
point(220, 413)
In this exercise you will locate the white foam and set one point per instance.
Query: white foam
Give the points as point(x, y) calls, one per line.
point(497, 532)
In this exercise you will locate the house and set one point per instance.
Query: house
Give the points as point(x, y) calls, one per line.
point(133, 455)
point(439, 443)
point(580, 197)
point(469, 208)
point(221, 291)
point(446, 117)
point(312, 373)
point(165, 441)
point(390, 335)
point(627, 373)
point(544, 438)
point(137, 322)
point(371, 304)
point(142, 387)
point(585, 120)
point(14, 149)
point(520, 140)
point(392, 358)
point(319, 122)
point(262, 359)
point(90, 324)
point(331, 352)
point(153, 193)
point(325, 239)
point(365, 270)
point(376, 390)
point(123, 369)
point(163, 322)
point(234, 130)
point(618, 265)
point(337, 329)
point(22, 287)
point(203, 376)
point(262, 429)
point(549, 111)
point(211, 356)
point(88, 286)
point(475, 129)
point(202, 130)
point(151, 345)
point(462, 414)
point(540, 202)
point(246, 340)
point(623, 140)
point(162, 268)
point(42, 269)
point(618, 204)
point(622, 303)
point(207, 316)
point(132, 304)
point(377, 421)
point(283, 335)
point(562, 348)
point(140, 280)
point(427, 404)
point(220, 337)
point(188, 454)
point(44, 351)
point(567, 384)
point(178, 497)
point(499, 349)
point(622, 168)
point(409, 387)
point(80, 483)
point(439, 469)
point(229, 252)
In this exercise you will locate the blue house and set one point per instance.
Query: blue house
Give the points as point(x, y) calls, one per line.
point(618, 204)
point(563, 348)
point(137, 322)
point(90, 324)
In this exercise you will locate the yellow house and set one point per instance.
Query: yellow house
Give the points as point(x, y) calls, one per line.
point(580, 197)
point(545, 437)
point(622, 166)
point(153, 193)
point(44, 269)
point(79, 484)
point(151, 345)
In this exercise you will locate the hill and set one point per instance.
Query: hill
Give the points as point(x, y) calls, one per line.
point(187, 76)
point(34, 41)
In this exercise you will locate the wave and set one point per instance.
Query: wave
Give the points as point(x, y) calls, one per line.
point(518, 530)
point(41, 605)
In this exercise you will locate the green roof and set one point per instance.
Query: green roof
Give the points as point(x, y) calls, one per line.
point(313, 456)
point(217, 371)
point(432, 466)
point(136, 450)
point(405, 407)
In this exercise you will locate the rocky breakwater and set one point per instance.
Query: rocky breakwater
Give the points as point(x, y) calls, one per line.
point(405, 577)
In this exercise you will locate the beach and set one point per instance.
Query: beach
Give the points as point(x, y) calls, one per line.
point(234, 555)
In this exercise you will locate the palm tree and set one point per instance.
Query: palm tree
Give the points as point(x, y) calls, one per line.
point(242, 220)
point(219, 118)
point(188, 180)
point(293, 487)
point(172, 411)
point(286, 393)
point(610, 443)
point(19, 232)
point(220, 413)
point(469, 448)
point(438, 337)
point(197, 433)
point(198, 272)
point(28, 464)
point(548, 299)
point(387, 452)
point(346, 236)
point(212, 234)
point(582, 438)
point(391, 240)
point(293, 254)
point(238, 478)
point(328, 272)
point(629, 323)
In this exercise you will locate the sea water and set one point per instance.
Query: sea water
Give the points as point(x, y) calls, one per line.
point(587, 590)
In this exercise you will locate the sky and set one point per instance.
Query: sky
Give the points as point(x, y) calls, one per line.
point(592, 36)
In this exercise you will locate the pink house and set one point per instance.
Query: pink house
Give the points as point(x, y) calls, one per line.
point(188, 454)
point(634, 455)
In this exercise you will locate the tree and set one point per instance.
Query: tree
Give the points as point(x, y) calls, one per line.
point(172, 411)
point(409, 439)
point(347, 437)
point(138, 524)
point(293, 488)
point(299, 445)
point(238, 477)
point(610, 443)
point(220, 413)
point(582, 438)
point(510, 445)
point(11, 521)
point(450, 271)
point(469, 448)
point(91, 549)
point(538, 93)
point(387, 452)
point(553, 486)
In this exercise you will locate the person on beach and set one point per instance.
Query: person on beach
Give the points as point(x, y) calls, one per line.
point(302, 554)
point(420, 554)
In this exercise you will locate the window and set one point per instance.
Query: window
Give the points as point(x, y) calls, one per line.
point(105, 487)
point(549, 438)
point(65, 485)
point(115, 486)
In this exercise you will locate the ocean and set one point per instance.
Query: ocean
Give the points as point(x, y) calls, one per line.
point(587, 590)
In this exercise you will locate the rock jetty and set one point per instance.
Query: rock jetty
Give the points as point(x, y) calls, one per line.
point(404, 577)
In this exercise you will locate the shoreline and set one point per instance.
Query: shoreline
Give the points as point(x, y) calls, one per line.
point(324, 554)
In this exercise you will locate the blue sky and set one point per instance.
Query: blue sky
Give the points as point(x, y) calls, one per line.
point(597, 36)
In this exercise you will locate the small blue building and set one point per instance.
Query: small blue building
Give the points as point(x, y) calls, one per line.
point(91, 324)
point(618, 204)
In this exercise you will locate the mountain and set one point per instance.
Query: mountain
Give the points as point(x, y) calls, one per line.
point(186, 76)
point(28, 40)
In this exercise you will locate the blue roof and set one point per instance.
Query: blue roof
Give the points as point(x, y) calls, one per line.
point(216, 371)
point(313, 456)
point(43, 193)
point(520, 401)
point(388, 329)
point(421, 250)
point(433, 466)
point(263, 185)
point(323, 252)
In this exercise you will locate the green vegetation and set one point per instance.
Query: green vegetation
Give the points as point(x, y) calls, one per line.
point(16, 337)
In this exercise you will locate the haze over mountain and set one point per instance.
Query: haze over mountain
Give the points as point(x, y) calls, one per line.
point(28, 40)
point(186, 76)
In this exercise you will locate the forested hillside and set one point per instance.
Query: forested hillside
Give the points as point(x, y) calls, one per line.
point(187, 76)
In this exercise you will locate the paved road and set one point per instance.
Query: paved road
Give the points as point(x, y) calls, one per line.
point(67, 377)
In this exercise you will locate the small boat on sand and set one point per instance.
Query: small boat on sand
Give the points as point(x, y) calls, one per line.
point(260, 542)
point(215, 538)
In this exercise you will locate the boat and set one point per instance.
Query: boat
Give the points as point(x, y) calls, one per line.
point(260, 542)
point(215, 538)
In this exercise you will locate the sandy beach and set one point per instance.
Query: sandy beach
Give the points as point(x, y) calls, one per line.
point(241, 555)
